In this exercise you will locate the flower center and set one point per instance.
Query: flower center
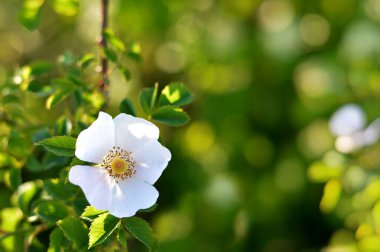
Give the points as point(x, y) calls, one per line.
point(119, 163)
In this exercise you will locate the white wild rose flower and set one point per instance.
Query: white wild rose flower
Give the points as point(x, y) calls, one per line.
point(128, 159)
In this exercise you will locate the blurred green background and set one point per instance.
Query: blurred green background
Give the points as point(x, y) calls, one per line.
point(249, 172)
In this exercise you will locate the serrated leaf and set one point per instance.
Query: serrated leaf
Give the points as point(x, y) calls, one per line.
point(51, 211)
point(57, 241)
point(90, 213)
point(59, 145)
point(126, 106)
point(101, 228)
point(75, 230)
point(30, 13)
point(148, 98)
point(175, 94)
point(170, 115)
point(141, 230)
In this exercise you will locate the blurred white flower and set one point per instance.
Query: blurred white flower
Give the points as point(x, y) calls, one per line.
point(129, 161)
point(348, 123)
point(347, 120)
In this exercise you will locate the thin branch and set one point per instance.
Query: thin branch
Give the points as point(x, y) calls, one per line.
point(103, 46)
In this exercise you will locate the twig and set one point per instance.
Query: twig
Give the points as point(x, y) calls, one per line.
point(104, 81)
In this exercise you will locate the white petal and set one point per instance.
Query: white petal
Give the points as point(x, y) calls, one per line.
point(130, 195)
point(347, 120)
point(133, 132)
point(151, 160)
point(94, 143)
point(96, 184)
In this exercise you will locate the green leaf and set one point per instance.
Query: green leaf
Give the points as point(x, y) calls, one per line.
point(148, 98)
point(25, 193)
point(57, 241)
point(101, 228)
point(66, 7)
point(110, 54)
point(175, 94)
point(12, 178)
point(170, 115)
point(58, 189)
point(141, 230)
point(113, 40)
point(75, 230)
point(10, 98)
point(58, 97)
point(126, 106)
point(33, 165)
point(127, 74)
point(122, 237)
point(30, 13)
point(148, 210)
point(59, 145)
point(86, 60)
point(51, 211)
point(90, 213)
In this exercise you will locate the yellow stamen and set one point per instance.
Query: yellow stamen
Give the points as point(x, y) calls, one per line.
point(119, 163)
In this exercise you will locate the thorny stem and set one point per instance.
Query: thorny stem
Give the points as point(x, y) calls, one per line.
point(104, 81)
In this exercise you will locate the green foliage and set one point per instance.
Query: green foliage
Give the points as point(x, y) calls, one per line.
point(58, 241)
point(171, 115)
point(141, 230)
point(175, 94)
point(74, 230)
point(90, 213)
point(30, 13)
point(126, 106)
point(101, 228)
point(51, 211)
point(59, 145)
point(148, 98)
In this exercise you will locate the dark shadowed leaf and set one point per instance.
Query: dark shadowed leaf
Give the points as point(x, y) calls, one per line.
point(126, 106)
point(170, 115)
point(141, 230)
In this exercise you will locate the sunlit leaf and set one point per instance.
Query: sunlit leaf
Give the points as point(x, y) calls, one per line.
point(25, 193)
point(101, 228)
point(175, 94)
point(113, 40)
point(66, 7)
point(58, 97)
point(331, 195)
point(90, 213)
point(30, 13)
